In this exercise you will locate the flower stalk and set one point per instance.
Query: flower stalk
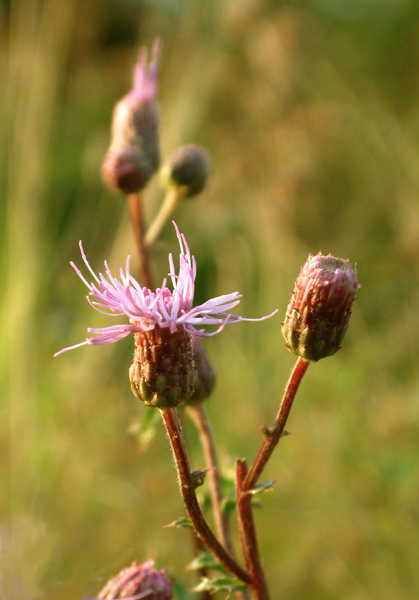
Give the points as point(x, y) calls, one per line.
point(199, 416)
point(136, 213)
point(274, 433)
point(171, 201)
point(187, 489)
point(247, 530)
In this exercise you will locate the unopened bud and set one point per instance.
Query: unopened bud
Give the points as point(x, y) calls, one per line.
point(205, 374)
point(138, 581)
point(321, 304)
point(162, 373)
point(134, 154)
point(187, 169)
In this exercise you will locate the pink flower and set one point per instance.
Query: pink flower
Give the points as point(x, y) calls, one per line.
point(134, 155)
point(146, 309)
point(144, 86)
point(138, 582)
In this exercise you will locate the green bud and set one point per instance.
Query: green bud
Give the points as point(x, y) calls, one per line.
point(187, 169)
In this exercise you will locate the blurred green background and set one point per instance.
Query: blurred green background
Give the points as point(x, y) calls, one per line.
point(310, 110)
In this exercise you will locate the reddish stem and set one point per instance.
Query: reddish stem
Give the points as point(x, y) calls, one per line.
point(248, 536)
point(273, 435)
point(187, 489)
point(143, 254)
point(198, 414)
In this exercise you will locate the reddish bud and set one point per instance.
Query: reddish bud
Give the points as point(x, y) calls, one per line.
point(321, 304)
point(139, 582)
point(162, 373)
point(134, 153)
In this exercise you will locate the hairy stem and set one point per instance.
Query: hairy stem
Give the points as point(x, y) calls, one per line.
point(247, 530)
point(187, 489)
point(273, 435)
point(137, 221)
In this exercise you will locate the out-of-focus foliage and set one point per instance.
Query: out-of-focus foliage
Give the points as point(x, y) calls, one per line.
point(309, 110)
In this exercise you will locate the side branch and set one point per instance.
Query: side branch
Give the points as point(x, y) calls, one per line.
point(187, 489)
point(273, 435)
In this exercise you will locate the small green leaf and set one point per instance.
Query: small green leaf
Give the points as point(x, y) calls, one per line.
point(181, 523)
point(206, 561)
point(267, 486)
point(225, 584)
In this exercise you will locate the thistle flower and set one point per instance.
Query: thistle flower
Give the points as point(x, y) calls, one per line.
point(162, 323)
point(134, 153)
point(321, 304)
point(138, 582)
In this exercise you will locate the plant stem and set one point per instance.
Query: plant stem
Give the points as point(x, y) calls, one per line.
point(168, 207)
point(198, 415)
point(187, 489)
point(273, 435)
point(247, 530)
point(143, 254)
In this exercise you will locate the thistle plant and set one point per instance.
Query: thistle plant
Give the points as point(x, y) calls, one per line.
point(170, 369)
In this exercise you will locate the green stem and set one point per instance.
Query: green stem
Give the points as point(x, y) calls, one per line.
point(168, 207)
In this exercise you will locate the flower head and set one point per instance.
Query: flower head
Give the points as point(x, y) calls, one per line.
point(134, 153)
point(321, 304)
point(186, 170)
point(164, 308)
point(138, 582)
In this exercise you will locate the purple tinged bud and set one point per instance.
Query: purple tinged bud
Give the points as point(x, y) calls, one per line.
point(187, 170)
point(320, 307)
point(138, 582)
point(134, 154)
point(162, 373)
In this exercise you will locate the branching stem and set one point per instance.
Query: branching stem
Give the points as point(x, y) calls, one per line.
point(187, 489)
point(273, 435)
